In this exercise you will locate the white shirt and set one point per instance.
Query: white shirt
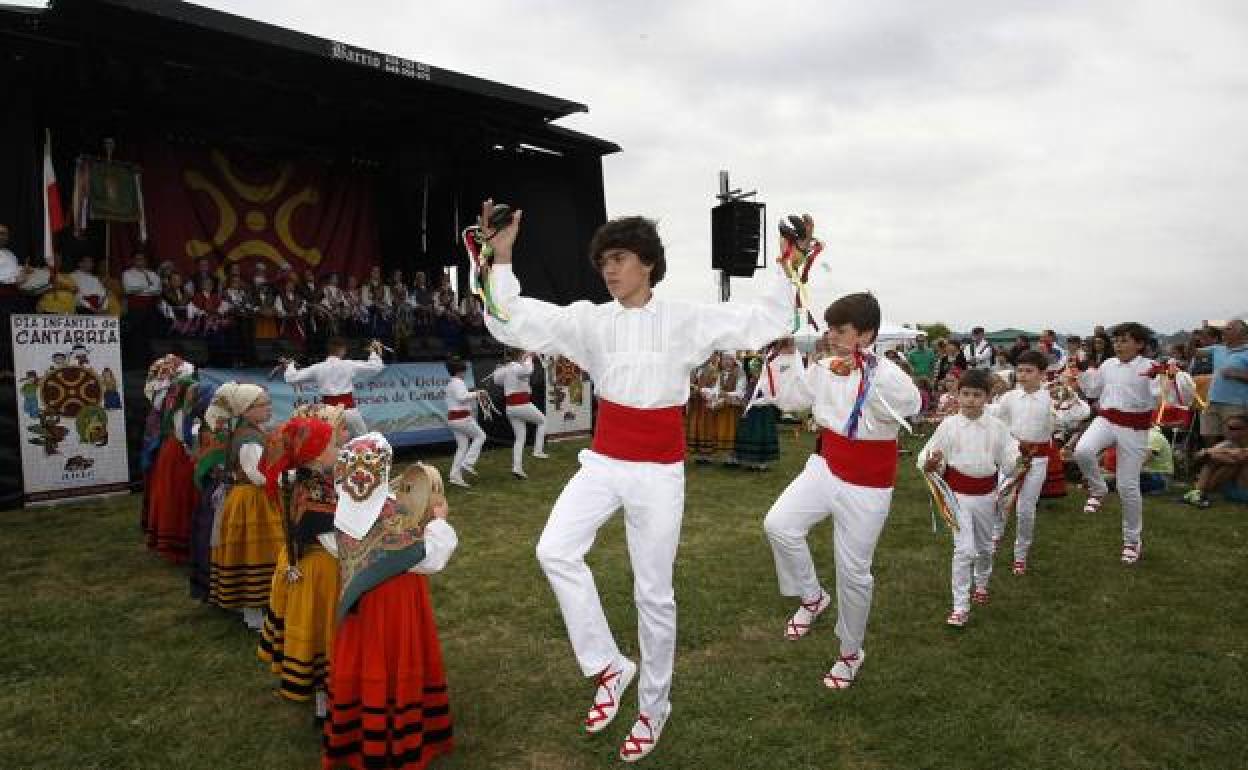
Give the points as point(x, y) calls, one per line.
point(514, 377)
point(334, 375)
point(980, 447)
point(371, 295)
point(37, 281)
point(458, 397)
point(831, 397)
point(1122, 386)
point(89, 286)
point(978, 355)
point(249, 460)
point(140, 281)
point(1030, 416)
point(440, 542)
point(9, 269)
point(639, 357)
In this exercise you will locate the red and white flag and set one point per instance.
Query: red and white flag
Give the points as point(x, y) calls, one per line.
point(53, 214)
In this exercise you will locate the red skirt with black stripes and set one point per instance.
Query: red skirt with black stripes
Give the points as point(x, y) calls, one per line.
point(387, 686)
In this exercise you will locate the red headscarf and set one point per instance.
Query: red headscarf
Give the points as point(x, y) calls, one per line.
point(298, 442)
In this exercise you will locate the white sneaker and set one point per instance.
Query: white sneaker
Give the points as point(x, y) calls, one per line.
point(643, 738)
point(519, 474)
point(541, 455)
point(612, 681)
point(842, 675)
point(471, 470)
point(459, 482)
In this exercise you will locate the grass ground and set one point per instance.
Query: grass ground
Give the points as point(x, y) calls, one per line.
point(1083, 663)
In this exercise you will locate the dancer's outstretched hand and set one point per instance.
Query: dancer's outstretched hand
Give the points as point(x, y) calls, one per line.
point(503, 239)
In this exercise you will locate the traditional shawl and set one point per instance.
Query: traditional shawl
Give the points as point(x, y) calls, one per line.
point(395, 544)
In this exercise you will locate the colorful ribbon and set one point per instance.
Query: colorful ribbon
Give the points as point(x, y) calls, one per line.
point(482, 255)
point(797, 260)
point(943, 501)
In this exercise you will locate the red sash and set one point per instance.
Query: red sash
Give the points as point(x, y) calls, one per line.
point(969, 485)
point(861, 462)
point(1173, 417)
point(1035, 448)
point(344, 400)
point(8, 290)
point(640, 435)
point(518, 399)
point(1135, 420)
point(140, 302)
point(458, 414)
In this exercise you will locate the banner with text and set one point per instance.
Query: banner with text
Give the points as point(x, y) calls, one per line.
point(71, 425)
point(406, 402)
point(569, 399)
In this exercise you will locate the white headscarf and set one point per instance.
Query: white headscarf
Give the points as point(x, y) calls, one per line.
point(362, 481)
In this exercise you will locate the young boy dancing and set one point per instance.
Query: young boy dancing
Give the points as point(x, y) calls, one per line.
point(858, 401)
point(639, 350)
point(335, 376)
point(513, 378)
point(969, 450)
point(1032, 415)
point(1127, 390)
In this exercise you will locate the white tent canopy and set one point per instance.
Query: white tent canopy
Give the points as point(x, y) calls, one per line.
point(891, 336)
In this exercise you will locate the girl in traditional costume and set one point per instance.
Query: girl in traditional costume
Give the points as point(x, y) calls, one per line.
point(727, 408)
point(387, 686)
point(172, 496)
point(299, 624)
point(757, 442)
point(250, 530)
point(212, 449)
point(700, 422)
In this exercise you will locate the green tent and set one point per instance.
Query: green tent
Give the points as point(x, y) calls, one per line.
point(1005, 337)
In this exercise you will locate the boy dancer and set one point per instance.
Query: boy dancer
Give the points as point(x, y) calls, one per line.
point(970, 449)
point(1127, 390)
point(851, 479)
point(334, 376)
point(640, 351)
point(469, 438)
point(513, 378)
point(1032, 416)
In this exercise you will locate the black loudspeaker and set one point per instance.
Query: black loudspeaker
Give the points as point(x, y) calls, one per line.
point(736, 231)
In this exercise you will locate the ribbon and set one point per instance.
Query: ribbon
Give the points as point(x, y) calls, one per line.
point(1007, 495)
point(482, 255)
point(943, 501)
point(799, 249)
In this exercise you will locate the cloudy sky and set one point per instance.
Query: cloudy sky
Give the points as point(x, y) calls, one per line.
point(1042, 163)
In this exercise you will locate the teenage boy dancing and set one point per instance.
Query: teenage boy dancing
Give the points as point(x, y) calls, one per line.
point(1032, 415)
point(1127, 389)
point(639, 350)
point(859, 401)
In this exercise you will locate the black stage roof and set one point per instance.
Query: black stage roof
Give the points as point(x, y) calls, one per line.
point(170, 51)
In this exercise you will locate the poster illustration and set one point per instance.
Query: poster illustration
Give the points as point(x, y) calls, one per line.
point(569, 399)
point(69, 406)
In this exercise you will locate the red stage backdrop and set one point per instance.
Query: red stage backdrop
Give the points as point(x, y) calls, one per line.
point(293, 214)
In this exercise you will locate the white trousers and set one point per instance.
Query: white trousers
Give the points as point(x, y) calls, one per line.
point(653, 498)
point(972, 546)
point(355, 422)
point(469, 438)
point(1028, 498)
point(858, 516)
point(520, 417)
point(1132, 451)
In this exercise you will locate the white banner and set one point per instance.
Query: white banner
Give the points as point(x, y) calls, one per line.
point(569, 399)
point(72, 428)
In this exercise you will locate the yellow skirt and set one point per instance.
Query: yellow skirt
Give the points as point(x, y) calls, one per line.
point(251, 538)
point(298, 633)
point(724, 428)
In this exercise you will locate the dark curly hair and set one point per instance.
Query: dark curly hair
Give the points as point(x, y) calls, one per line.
point(636, 234)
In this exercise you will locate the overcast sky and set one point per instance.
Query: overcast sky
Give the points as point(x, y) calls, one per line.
point(1013, 163)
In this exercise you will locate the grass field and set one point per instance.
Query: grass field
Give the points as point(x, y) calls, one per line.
point(105, 662)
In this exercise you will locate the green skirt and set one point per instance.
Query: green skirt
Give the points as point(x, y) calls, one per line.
point(757, 443)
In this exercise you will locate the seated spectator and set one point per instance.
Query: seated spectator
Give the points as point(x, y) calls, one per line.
point(1158, 467)
point(205, 271)
point(291, 310)
point(90, 296)
point(1002, 368)
point(175, 305)
point(1224, 467)
point(142, 288)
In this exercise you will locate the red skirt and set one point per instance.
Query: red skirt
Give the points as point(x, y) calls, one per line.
point(387, 686)
point(170, 501)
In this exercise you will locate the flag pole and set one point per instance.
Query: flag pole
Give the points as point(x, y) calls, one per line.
point(110, 144)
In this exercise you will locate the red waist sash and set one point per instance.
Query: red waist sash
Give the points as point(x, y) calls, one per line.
point(1173, 416)
point(141, 301)
point(518, 399)
point(8, 290)
point(1035, 448)
point(344, 400)
point(970, 485)
point(861, 462)
point(1135, 420)
point(458, 414)
point(640, 435)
